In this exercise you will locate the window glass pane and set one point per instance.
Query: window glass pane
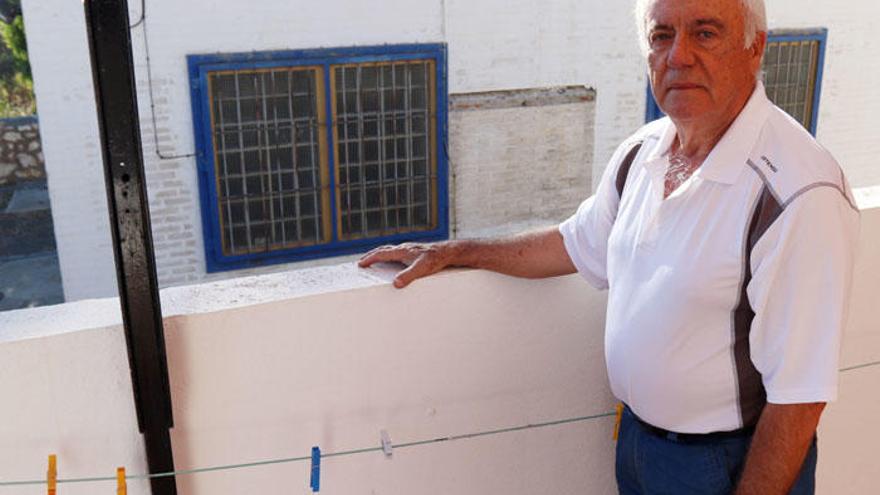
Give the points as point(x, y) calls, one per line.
point(266, 142)
point(385, 131)
point(789, 71)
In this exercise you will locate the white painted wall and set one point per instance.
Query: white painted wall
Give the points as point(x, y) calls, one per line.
point(265, 367)
point(493, 45)
point(58, 50)
point(850, 101)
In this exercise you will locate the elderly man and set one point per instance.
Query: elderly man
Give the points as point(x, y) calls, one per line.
point(725, 236)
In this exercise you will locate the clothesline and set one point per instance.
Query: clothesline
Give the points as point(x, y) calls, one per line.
point(343, 453)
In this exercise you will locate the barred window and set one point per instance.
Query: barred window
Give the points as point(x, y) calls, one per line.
point(384, 133)
point(319, 153)
point(271, 172)
point(792, 73)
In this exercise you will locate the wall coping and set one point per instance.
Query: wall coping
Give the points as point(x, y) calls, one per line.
point(209, 297)
point(46, 321)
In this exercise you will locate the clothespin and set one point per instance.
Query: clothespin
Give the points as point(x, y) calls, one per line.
point(52, 475)
point(386, 443)
point(315, 481)
point(121, 488)
point(619, 417)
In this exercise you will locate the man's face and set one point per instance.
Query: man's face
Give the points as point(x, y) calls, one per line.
point(699, 66)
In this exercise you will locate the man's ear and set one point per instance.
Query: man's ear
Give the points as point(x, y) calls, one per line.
point(759, 44)
point(757, 50)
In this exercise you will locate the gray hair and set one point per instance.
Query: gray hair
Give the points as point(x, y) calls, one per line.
point(753, 10)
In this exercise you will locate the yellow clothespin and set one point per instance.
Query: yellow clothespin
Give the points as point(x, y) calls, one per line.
point(52, 474)
point(120, 481)
point(619, 416)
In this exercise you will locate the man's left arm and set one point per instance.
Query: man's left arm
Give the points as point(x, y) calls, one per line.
point(802, 270)
point(780, 444)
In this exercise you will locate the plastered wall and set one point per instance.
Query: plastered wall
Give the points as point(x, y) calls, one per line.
point(265, 367)
point(266, 380)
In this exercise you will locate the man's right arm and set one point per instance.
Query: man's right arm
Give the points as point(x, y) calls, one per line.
point(536, 254)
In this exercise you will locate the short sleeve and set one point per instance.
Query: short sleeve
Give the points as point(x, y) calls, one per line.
point(585, 233)
point(801, 275)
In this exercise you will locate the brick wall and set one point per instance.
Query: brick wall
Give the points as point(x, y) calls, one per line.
point(171, 185)
point(519, 158)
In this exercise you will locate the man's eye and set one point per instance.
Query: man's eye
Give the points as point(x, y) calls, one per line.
point(706, 35)
point(659, 37)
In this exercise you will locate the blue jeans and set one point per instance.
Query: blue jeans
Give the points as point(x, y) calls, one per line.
point(648, 464)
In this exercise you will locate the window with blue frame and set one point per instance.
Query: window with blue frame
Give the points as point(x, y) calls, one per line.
point(792, 74)
point(315, 153)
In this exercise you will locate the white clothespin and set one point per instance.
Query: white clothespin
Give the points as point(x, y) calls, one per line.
point(386, 443)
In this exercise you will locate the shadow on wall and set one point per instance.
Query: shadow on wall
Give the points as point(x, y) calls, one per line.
point(29, 271)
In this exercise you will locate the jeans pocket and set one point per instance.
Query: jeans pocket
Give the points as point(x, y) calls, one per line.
point(626, 470)
point(677, 468)
point(731, 454)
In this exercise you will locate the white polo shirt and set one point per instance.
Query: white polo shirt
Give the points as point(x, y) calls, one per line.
point(733, 291)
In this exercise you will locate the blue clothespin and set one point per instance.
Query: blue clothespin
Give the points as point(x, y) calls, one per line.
point(315, 482)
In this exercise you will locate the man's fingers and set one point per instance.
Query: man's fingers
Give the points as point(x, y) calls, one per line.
point(422, 261)
point(421, 268)
point(384, 253)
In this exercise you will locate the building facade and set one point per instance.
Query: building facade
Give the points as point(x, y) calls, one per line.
point(524, 104)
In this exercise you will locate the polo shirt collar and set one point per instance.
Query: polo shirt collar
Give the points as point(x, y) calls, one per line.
point(728, 158)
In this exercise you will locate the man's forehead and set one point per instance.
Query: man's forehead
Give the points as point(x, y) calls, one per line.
point(670, 12)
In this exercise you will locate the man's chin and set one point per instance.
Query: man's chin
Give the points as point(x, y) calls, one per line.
point(684, 110)
point(686, 101)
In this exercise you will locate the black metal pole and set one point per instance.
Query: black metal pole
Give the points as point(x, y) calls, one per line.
point(109, 38)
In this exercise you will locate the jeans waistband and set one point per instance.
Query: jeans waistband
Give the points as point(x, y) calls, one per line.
point(691, 437)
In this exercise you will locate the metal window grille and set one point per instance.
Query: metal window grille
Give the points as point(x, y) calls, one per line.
point(270, 158)
point(385, 142)
point(271, 153)
point(790, 71)
point(304, 154)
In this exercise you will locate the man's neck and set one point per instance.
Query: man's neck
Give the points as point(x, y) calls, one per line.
point(695, 138)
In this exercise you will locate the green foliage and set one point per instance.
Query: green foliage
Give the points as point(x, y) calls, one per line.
point(13, 37)
point(17, 97)
point(16, 84)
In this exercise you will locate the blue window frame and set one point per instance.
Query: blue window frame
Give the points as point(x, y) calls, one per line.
point(307, 154)
point(792, 71)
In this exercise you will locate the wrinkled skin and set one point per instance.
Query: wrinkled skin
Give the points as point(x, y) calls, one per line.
point(701, 73)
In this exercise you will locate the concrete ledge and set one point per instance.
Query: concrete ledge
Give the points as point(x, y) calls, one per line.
point(208, 297)
point(532, 97)
point(867, 198)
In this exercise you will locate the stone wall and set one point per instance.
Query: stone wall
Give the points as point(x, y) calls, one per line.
point(21, 154)
point(519, 158)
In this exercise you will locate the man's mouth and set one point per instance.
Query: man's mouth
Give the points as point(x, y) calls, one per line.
point(683, 86)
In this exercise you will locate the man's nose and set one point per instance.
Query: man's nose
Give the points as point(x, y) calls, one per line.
point(681, 52)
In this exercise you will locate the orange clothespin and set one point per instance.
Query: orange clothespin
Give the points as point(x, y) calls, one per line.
point(121, 489)
point(619, 416)
point(52, 475)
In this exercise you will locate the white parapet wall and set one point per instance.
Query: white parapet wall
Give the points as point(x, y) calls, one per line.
point(266, 367)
